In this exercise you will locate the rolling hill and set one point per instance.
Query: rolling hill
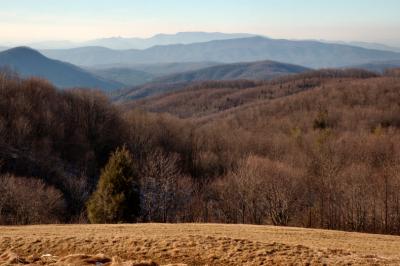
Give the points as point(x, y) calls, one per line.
point(135, 75)
point(228, 77)
point(124, 75)
point(256, 71)
point(147, 90)
point(306, 53)
point(263, 70)
point(207, 98)
point(165, 69)
point(28, 62)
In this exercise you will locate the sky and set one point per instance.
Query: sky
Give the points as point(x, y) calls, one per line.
point(79, 20)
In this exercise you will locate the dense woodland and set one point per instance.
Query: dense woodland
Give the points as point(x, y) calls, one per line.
point(318, 150)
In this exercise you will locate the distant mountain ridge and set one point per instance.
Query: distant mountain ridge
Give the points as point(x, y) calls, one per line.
point(262, 70)
point(165, 39)
point(376, 46)
point(123, 43)
point(311, 54)
point(28, 62)
point(126, 43)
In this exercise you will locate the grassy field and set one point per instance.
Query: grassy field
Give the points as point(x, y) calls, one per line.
point(192, 244)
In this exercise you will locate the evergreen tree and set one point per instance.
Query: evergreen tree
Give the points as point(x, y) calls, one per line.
point(117, 197)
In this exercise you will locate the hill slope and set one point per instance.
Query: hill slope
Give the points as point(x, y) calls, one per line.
point(317, 142)
point(28, 62)
point(306, 53)
point(207, 98)
point(263, 70)
point(135, 75)
point(165, 69)
point(124, 75)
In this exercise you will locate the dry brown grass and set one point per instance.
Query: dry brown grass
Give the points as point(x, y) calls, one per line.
point(192, 244)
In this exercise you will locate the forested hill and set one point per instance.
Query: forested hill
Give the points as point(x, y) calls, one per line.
point(318, 149)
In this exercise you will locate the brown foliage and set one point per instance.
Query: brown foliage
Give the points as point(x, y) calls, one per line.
point(29, 201)
point(56, 135)
point(319, 149)
point(327, 141)
point(208, 98)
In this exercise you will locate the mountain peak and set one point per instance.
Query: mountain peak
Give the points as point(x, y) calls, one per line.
point(23, 51)
point(29, 62)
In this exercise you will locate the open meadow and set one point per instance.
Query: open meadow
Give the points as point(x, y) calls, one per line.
point(192, 244)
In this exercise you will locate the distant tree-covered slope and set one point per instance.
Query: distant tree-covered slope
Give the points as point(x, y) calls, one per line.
point(124, 75)
point(263, 70)
point(165, 69)
point(138, 74)
point(306, 53)
point(28, 62)
point(147, 90)
point(380, 66)
point(257, 71)
point(212, 97)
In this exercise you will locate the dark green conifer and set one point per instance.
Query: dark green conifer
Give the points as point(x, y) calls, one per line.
point(117, 197)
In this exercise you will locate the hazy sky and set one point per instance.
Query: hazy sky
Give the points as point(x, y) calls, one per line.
point(76, 20)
